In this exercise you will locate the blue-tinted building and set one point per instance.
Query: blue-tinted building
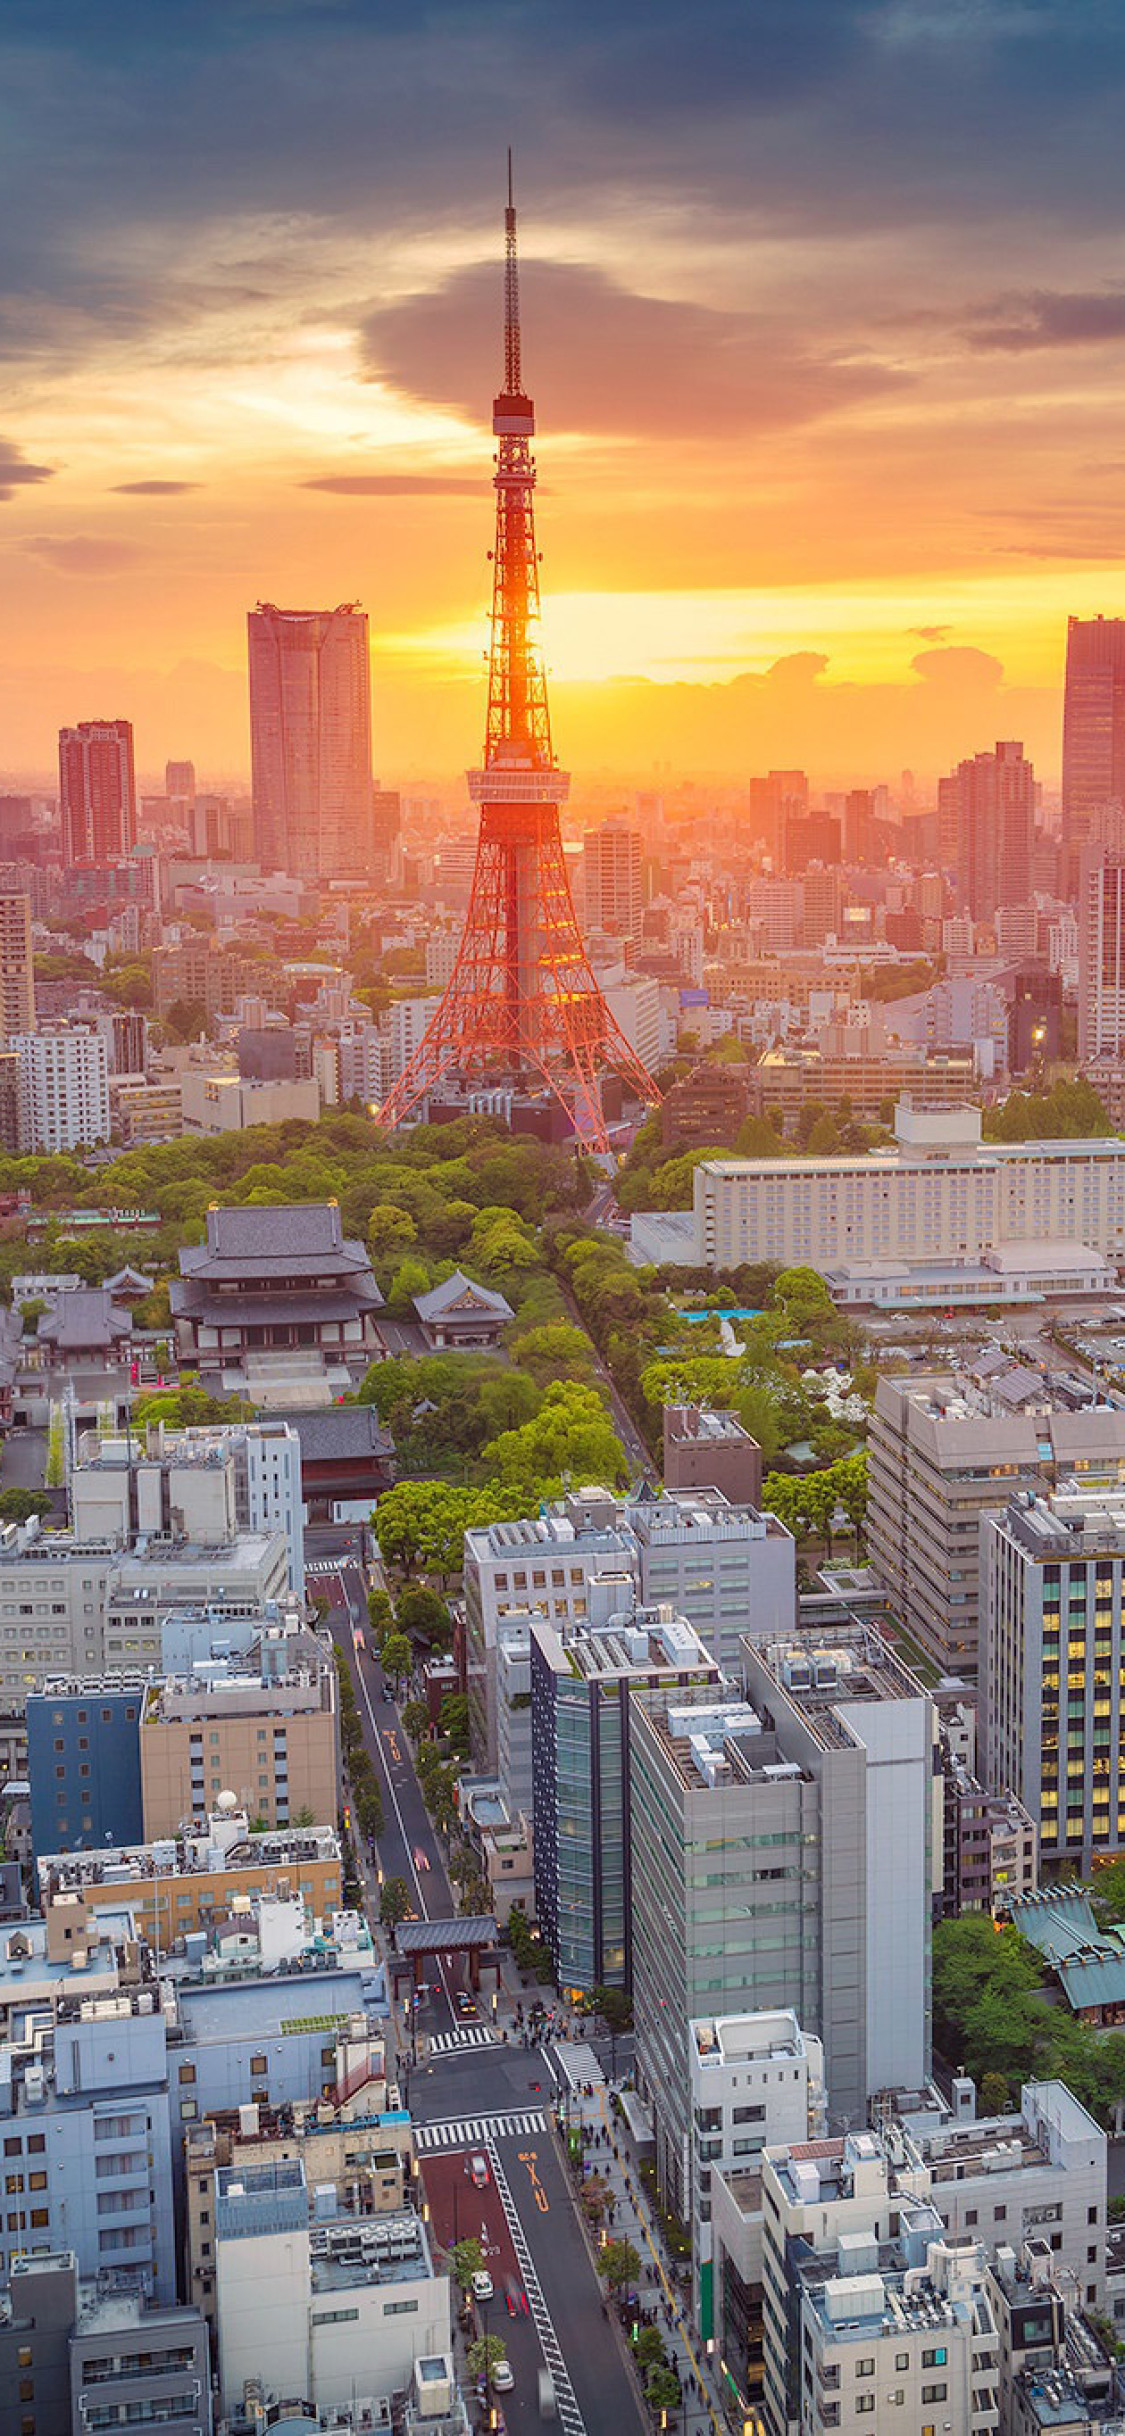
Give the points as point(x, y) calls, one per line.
point(84, 1766)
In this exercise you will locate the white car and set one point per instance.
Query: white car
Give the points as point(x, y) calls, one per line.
point(482, 2285)
point(502, 2378)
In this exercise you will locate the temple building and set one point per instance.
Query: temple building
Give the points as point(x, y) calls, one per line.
point(278, 1305)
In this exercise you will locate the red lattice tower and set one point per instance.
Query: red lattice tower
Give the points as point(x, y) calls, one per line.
point(522, 1002)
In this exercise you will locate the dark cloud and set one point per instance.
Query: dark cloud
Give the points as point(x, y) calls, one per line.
point(1047, 318)
point(821, 115)
point(604, 360)
point(155, 490)
point(394, 486)
point(81, 553)
point(16, 472)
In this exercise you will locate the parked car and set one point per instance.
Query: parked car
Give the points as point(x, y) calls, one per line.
point(482, 2285)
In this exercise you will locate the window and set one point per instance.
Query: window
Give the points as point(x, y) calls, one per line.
point(934, 2393)
point(13, 2148)
point(902, 2359)
point(187, 2073)
point(865, 2368)
point(258, 2063)
point(935, 2359)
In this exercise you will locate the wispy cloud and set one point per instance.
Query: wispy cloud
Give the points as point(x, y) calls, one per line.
point(17, 472)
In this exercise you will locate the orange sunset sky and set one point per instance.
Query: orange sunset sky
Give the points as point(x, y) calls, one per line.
point(824, 312)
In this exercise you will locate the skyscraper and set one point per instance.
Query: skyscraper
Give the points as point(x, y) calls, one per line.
point(310, 735)
point(17, 971)
point(1101, 955)
point(97, 791)
point(988, 807)
point(611, 879)
point(1093, 770)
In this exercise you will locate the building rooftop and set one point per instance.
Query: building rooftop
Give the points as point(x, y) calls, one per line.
point(224, 1846)
point(646, 1641)
point(737, 2038)
point(838, 1669)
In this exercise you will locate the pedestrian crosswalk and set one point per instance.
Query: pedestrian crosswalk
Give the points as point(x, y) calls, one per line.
point(474, 2131)
point(455, 2042)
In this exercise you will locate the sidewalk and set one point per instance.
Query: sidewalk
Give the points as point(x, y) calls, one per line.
point(701, 2411)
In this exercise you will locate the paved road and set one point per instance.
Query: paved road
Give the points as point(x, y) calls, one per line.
point(497, 2100)
point(408, 1847)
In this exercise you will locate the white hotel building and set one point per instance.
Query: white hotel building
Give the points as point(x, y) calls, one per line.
point(941, 1196)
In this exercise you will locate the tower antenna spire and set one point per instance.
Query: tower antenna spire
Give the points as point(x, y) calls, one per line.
point(522, 1006)
point(512, 381)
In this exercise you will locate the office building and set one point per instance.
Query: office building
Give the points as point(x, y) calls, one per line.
point(97, 792)
point(71, 1606)
point(990, 804)
point(941, 1196)
point(1093, 774)
point(581, 1730)
point(63, 1090)
point(86, 2116)
point(310, 737)
point(338, 2310)
point(266, 1732)
point(351, 2145)
point(200, 973)
point(574, 1565)
point(612, 898)
point(200, 1484)
point(386, 830)
point(84, 1764)
point(1052, 1668)
point(78, 2355)
point(17, 970)
point(730, 1570)
point(755, 2079)
point(708, 1448)
point(944, 1449)
point(866, 2302)
point(706, 1109)
point(824, 1774)
point(864, 1069)
point(179, 1885)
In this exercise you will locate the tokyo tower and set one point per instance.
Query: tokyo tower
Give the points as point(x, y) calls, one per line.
point(522, 1004)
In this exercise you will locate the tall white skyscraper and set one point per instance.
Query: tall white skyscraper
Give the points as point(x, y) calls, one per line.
point(63, 1089)
point(611, 879)
point(310, 734)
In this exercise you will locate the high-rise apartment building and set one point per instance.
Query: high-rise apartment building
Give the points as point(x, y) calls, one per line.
point(17, 968)
point(987, 809)
point(63, 1088)
point(1101, 955)
point(1053, 1669)
point(310, 736)
point(611, 880)
point(947, 1448)
point(97, 791)
point(1093, 771)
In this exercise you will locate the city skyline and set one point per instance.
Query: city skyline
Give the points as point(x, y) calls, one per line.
point(827, 311)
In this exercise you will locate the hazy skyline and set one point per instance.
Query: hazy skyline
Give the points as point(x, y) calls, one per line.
point(824, 310)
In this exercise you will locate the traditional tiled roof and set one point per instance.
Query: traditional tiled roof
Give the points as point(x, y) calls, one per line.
point(460, 1293)
point(83, 1318)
